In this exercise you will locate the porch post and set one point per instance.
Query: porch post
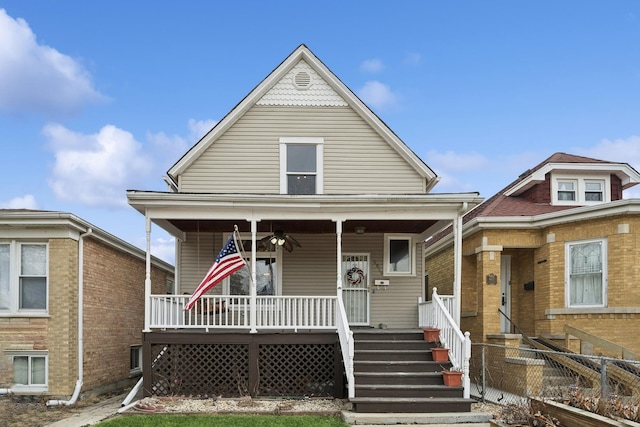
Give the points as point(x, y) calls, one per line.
point(339, 257)
point(457, 262)
point(147, 278)
point(253, 289)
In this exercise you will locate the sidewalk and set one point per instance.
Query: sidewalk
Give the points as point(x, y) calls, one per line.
point(92, 414)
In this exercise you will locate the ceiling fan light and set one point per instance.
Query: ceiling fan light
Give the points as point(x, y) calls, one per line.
point(281, 241)
point(274, 240)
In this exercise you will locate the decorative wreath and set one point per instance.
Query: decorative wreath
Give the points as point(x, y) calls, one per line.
point(355, 276)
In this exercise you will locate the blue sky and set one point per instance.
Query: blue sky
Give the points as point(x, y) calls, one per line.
point(97, 97)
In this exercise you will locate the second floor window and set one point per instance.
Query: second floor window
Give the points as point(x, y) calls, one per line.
point(566, 190)
point(301, 165)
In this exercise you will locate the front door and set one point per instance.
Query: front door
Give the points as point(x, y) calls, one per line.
point(505, 293)
point(355, 288)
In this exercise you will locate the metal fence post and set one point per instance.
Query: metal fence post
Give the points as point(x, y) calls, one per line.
point(483, 377)
point(603, 378)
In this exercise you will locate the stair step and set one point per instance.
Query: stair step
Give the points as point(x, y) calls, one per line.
point(393, 345)
point(409, 378)
point(394, 355)
point(408, 391)
point(388, 334)
point(400, 366)
point(449, 419)
point(411, 405)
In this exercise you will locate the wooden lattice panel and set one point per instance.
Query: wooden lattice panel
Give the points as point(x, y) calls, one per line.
point(200, 370)
point(296, 370)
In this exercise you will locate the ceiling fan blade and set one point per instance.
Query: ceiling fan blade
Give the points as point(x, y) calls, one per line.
point(292, 240)
point(287, 245)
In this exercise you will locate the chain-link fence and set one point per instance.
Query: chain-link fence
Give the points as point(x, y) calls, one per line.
point(511, 375)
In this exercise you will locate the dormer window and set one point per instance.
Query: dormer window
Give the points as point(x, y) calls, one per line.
point(567, 191)
point(580, 190)
point(593, 191)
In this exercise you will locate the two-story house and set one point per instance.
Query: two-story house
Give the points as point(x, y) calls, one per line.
point(71, 305)
point(332, 209)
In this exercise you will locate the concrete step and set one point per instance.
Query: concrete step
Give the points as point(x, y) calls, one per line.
point(460, 419)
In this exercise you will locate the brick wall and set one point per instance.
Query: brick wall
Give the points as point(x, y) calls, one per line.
point(113, 311)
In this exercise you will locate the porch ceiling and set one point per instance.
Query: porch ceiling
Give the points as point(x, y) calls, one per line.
point(305, 227)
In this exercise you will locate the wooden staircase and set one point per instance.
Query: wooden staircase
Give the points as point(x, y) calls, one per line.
point(394, 372)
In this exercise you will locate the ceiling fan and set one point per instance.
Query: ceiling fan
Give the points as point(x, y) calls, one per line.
point(280, 238)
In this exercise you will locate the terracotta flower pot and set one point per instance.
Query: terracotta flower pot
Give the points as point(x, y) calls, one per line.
point(452, 378)
point(431, 334)
point(440, 354)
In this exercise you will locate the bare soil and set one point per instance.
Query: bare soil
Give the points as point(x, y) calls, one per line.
point(32, 411)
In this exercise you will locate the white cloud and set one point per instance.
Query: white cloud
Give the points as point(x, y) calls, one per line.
point(169, 148)
point(38, 78)
point(619, 150)
point(28, 201)
point(413, 58)
point(96, 169)
point(165, 249)
point(372, 65)
point(379, 95)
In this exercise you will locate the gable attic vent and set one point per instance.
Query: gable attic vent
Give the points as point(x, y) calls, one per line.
point(302, 80)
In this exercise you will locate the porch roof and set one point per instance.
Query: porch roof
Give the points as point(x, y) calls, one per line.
point(178, 213)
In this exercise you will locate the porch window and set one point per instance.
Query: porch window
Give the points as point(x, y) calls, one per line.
point(586, 273)
point(30, 371)
point(23, 277)
point(566, 191)
point(398, 255)
point(266, 278)
point(301, 162)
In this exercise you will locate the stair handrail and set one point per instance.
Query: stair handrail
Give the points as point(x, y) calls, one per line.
point(345, 335)
point(625, 353)
point(458, 343)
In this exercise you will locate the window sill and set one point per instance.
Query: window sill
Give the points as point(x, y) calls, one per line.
point(26, 389)
point(7, 314)
point(590, 310)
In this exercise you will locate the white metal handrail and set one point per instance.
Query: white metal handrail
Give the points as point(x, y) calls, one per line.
point(345, 335)
point(436, 314)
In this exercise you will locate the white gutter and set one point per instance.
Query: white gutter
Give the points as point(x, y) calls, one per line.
point(76, 391)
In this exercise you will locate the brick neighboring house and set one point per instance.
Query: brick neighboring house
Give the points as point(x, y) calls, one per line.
point(48, 262)
point(558, 246)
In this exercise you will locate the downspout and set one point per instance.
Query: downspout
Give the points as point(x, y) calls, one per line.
point(76, 391)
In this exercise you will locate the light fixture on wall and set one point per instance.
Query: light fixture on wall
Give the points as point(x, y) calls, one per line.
point(360, 229)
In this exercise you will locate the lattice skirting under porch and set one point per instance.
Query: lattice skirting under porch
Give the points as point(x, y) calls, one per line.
point(240, 364)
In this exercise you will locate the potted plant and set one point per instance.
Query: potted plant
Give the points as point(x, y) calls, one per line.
point(431, 334)
point(440, 354)
point(452, 378)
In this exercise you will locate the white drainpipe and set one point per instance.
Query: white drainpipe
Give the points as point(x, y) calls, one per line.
point(76, 391)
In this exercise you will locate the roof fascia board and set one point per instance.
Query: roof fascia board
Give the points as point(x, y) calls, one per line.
point(302, 52)
point(76, 226)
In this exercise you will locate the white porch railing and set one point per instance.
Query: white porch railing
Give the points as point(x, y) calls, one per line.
point(347, 346)
point(233, 312)
point(437, 314)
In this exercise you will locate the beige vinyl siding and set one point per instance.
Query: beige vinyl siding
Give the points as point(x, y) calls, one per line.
point(197, 254)
point(245, 159)
point(311, 270)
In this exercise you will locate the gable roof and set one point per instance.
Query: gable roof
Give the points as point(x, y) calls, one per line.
point(343, 93)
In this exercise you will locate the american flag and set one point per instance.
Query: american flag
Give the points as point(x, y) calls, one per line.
point(228, 261)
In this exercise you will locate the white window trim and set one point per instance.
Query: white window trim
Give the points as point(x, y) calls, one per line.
point(580, 189)
point(567, 273)
point(14, 280)
point(412, 255)
point(277, 254)
point(319, 143)
point(38, 388)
